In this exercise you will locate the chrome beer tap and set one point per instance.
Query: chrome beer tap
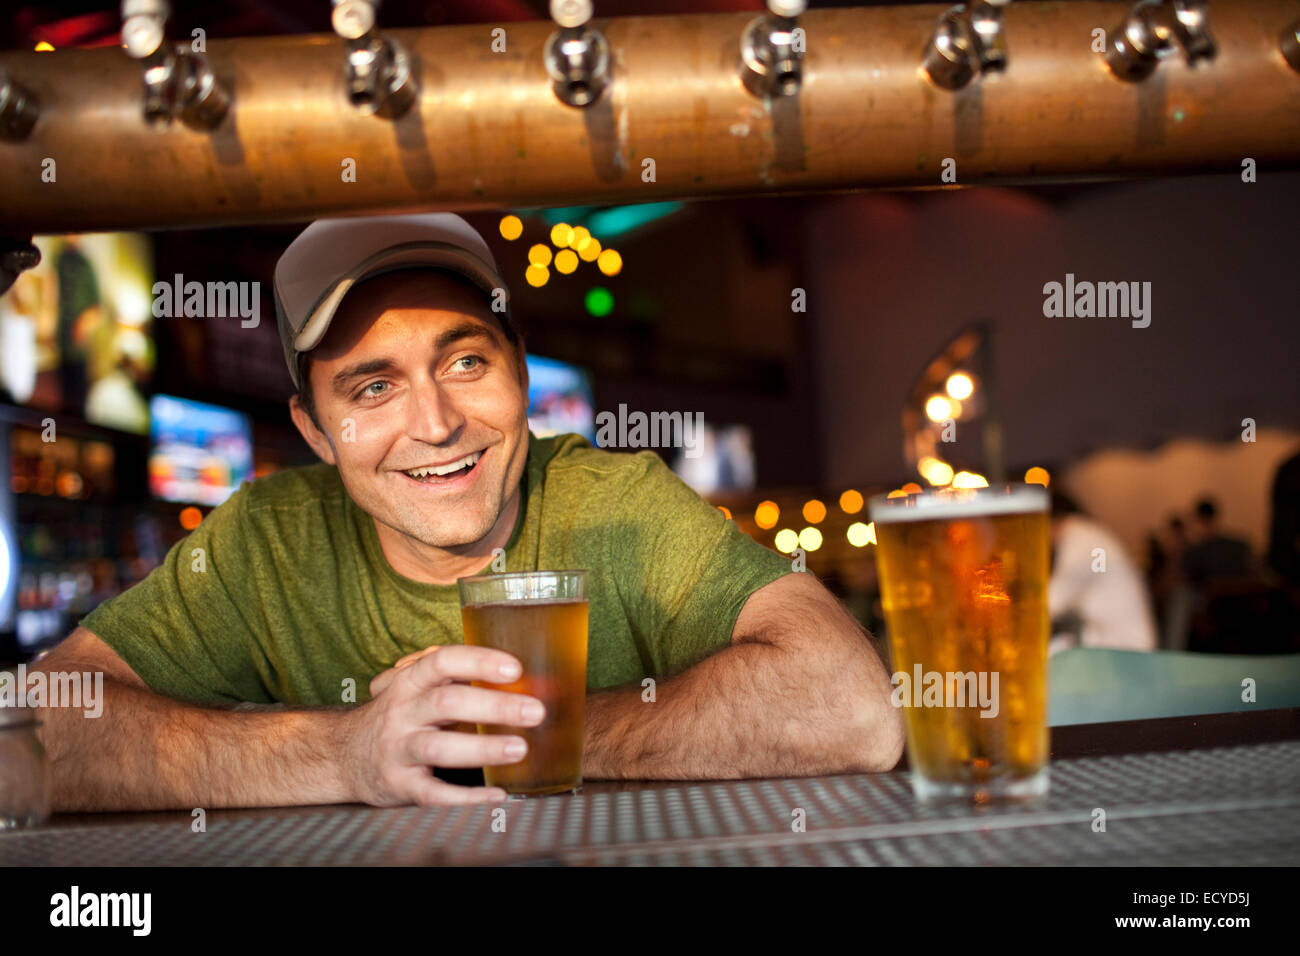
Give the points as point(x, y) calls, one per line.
point(966, 41)
point(577, 54)
point(177, 82)
point(771, 50)
point(1152, 30)
point(378, 68)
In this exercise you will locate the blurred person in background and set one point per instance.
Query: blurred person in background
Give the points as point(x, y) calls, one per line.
point(1214, 555)
point(1096, 596)
point(1284, 533)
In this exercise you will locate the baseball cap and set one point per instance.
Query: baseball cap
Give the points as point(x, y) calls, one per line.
point(332, 255)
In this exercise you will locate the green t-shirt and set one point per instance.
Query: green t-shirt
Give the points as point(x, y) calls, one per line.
point(283, 592)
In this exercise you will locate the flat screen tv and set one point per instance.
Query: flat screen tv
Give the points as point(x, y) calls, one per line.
point(559, 399)
point(200, 453)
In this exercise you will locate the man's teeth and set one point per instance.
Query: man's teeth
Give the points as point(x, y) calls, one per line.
point(467, 462)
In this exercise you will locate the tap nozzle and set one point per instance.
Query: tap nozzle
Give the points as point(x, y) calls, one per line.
point(771, 50)
point(577, 54)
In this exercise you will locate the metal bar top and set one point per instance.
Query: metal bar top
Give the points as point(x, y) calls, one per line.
point(1213, 790)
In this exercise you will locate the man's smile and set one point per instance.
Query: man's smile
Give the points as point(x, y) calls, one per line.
point(456, 473)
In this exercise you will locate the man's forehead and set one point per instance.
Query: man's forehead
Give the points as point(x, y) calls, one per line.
point(443, 298)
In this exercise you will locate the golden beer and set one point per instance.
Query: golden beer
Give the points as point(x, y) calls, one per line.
point(963, 577)
point(548, 635)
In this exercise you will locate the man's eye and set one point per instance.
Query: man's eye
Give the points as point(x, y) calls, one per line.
point(473, 359)
point(373, 390)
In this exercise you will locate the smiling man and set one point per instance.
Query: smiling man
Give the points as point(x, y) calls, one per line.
point(304, 644)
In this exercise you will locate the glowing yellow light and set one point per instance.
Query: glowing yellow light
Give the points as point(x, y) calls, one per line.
point(609, 262)
point(44, 47)
point(897, 493)
point(537, 276)
point(861, 535)
point(540, 255)
point(911, 488)
point(938, 408)
point(191, 518)
point(561, 234)
point(566, 260)
point(726, 512)
point(851, 502)
point(936, 472)
point(580, 238)
point(786, 540)
point(814, 511)
point(1037, 476)
point(766, 514)
point(511, 227)
point(591, 251)
point(810, 539)
point(960, 386)
point(969, 479)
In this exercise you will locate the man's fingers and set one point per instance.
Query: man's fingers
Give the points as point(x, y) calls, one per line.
point(429, 791)
point(384, 678)
point(464, 663)
point(444, 748)
point(454, 701)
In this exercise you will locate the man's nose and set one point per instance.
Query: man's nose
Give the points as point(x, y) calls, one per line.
point(433, 414)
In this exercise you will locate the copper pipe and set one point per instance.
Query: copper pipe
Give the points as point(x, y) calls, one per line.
point(488, 132)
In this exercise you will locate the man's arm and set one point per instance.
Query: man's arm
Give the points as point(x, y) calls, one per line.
point(149, 752)
point(800, 691)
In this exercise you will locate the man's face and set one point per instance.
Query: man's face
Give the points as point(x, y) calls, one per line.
point(415, 375)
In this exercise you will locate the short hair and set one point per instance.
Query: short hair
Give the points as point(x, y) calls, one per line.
point(305, 396)
point(1206, 509)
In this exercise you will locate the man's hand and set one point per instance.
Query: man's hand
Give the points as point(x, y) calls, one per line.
point(391, 742)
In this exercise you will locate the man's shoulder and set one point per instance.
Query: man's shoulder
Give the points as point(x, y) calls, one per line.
point(305, 486)
point(571, 455)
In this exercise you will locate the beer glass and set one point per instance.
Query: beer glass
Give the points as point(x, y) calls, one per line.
point(541, 618)
point(963, 579)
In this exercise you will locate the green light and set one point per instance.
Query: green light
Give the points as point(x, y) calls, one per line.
point(609, 223)
point(599, 301)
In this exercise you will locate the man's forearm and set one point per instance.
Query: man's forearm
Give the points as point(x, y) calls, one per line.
point(148, 752)
point(751, 710)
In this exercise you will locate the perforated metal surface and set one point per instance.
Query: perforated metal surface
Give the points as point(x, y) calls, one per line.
point(1223, 806)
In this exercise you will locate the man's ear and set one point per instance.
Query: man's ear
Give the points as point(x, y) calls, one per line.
point(312, 435)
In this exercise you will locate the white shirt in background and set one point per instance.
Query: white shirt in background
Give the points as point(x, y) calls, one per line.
point(1113, 603)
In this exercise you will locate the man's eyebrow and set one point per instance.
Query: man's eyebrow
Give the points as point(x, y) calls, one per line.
point(344, 377)
point(466, 330)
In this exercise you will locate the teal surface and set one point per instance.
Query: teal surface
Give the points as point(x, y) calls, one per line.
point(1094, 685)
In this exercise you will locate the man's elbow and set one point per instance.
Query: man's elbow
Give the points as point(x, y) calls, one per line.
point(879, 736)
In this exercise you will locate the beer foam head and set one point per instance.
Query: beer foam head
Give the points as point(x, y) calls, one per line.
point(950, 503)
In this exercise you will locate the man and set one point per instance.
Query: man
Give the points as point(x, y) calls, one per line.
point(1096, 596)
point(312, 581)
point(1214, 555)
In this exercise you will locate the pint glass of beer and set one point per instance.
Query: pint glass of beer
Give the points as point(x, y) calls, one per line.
point(541, 618)
point(963, 579)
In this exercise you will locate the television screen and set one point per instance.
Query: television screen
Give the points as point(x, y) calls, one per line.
point(75, 332)
point(722, 460)
point(201, 453)
point(559, 399)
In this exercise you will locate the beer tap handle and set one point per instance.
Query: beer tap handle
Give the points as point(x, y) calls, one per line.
point(377, 69)
point(577, 54)
point(1151, 29)
point(19, 109)
point(771, 50)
